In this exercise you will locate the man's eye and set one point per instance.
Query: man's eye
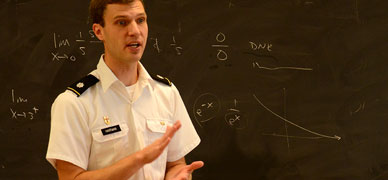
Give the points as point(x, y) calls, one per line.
point(123, 23)
point(140, 20)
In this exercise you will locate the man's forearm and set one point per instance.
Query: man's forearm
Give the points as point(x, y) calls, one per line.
point(123, 169)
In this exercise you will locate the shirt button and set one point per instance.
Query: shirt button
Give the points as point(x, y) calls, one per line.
point(162, 123)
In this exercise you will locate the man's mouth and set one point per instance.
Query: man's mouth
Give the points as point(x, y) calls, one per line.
point(135, 45)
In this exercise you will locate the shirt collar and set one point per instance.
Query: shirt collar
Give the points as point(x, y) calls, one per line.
point(144, 77)
point(108, 78)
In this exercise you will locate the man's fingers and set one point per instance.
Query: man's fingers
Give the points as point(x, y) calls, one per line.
point(165, 143)
point(165, 140)
point(172, 129)
point(156, 148)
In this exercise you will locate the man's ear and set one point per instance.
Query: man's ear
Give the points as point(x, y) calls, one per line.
point(97, 29)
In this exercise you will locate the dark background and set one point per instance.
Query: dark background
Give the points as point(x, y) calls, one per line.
point(291, 77)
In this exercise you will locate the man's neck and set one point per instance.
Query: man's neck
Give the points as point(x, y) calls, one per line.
point(127, 73)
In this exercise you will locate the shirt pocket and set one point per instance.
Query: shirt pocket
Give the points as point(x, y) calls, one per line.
point(112, 143)
point(156, 127)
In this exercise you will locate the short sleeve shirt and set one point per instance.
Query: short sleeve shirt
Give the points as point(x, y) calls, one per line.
point(104, 124)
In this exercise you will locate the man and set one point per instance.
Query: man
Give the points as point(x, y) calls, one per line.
point(118, 122)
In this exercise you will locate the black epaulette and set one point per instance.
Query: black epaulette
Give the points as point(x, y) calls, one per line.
point(161, 79)
point(83, 84)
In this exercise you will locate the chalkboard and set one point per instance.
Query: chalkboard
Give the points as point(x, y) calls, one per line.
point(277, 90)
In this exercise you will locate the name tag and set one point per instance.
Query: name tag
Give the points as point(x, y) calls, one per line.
point(111, 130)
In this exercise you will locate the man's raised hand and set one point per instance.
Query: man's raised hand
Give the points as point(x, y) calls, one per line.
point(151, 152)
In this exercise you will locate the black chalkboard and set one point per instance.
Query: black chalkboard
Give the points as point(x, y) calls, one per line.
point(287, 89)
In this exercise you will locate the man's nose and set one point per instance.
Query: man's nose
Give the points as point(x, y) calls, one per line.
point(133, 29)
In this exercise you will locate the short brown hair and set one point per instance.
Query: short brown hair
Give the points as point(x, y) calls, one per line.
point(97, 8)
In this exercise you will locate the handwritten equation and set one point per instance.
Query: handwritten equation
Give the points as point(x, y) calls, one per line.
point(173, 44)
point(221, 47)
point(21, 108)
point(207, 106)
point(234, 117)
point(222, 50)
point(63, 48)
point(62, 43)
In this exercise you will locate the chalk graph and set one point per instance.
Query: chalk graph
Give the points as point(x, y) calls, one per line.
point(317, 135)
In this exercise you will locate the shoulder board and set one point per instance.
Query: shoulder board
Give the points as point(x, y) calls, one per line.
point(83, 84)
point(161, 79)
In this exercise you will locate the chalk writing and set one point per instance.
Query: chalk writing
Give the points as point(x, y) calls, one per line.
point(24, 114)
point(257, 65)
point(206, 107)
point(91, 34)
point(17, 99)
point(18, 113)
point(285, 116)
point(221, 54)
point(177, 48)
point(289, 136)
point(261, 46)
point(234, 117)
point(261, 57)
point(81, 47)
point(298, 126)
point(156, 44)
point(359, 108)
point(62, 44)
point(63, 57)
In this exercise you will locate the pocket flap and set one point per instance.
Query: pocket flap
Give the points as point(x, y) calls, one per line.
point(158, 125)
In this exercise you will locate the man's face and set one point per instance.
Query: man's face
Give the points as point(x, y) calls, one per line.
point(125, 32)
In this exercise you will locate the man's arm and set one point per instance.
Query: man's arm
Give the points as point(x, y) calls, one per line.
point(178, 170)
point(122, 169)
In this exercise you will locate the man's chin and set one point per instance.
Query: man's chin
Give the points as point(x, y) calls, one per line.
point(132, 57)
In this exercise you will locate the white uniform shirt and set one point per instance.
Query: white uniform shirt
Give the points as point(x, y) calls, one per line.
point(77, 122)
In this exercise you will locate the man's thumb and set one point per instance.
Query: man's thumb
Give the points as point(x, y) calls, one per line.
point(195, 165)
